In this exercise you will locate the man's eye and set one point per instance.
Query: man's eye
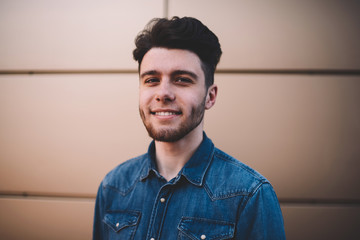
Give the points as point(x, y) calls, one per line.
point(151, 80)
point(183, 80)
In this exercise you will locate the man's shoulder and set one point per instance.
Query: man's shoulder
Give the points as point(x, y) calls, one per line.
point(227, 177)
point(125, 175)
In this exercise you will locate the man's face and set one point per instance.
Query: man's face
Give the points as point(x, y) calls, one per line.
point(172, 96)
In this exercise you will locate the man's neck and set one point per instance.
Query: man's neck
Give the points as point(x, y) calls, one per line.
point(171, 157)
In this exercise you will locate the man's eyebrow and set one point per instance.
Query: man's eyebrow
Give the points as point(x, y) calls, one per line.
point(174, 73)
point(151, 73)
point(185, 72)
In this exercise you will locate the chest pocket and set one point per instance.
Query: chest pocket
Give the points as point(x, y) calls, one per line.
point(200, 229)
point(122, 224)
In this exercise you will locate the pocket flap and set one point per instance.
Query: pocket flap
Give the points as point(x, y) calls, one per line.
point(118, 220)
point(200, 228)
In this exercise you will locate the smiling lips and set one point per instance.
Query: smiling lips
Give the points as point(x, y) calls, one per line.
point(165, 113)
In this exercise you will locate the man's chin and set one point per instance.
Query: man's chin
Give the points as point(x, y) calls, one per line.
point(167, 135)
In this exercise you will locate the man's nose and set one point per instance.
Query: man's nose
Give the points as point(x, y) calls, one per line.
point(165, 92)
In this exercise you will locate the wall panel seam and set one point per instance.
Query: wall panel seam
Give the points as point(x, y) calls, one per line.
point(166, 8)
point(75, 196)
point(350, 72)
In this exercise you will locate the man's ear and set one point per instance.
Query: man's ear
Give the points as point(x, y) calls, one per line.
point(211, 96)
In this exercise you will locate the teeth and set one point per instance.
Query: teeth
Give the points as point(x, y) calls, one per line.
point(165, 113)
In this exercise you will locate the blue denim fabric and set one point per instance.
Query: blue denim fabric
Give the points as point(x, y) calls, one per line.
point(213, 197)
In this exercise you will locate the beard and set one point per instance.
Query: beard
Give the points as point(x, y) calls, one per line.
point(173, 134)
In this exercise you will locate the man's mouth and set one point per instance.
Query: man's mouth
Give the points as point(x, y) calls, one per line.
point(166, 113)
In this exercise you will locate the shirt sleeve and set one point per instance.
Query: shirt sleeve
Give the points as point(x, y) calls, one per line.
point(98, 231)
point(261, 217)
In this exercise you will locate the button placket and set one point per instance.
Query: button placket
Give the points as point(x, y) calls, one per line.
point(159, 212)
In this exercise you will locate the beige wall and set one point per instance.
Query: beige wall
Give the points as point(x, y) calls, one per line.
point(288, 105)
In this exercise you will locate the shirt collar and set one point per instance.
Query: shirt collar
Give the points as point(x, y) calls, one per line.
point(150, 163)
point(194, 170)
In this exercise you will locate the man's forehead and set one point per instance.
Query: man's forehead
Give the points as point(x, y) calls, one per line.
point(169, 60)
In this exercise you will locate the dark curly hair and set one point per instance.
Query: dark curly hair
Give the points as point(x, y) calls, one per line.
point(181, 33)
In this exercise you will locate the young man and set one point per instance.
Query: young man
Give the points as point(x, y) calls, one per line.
point(183, 187)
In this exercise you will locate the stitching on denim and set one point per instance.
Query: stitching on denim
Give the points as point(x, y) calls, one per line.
point(136, 179)
point(199, 181)
point(153, 215)
point(123, 193)
point(211, 159)
point(189, 219)
point(209, 193)
point(253, 192)
point(231, 226)
point(221, 196)
point(186, 235)
point(131, 225)
point(259, 180)
point(236, 162)
point(136, 226)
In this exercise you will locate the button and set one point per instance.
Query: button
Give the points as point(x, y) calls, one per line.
point(203, 237)
point(117, 225)
point(162, 200)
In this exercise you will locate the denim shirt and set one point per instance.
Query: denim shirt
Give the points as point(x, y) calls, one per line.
point(214, 196)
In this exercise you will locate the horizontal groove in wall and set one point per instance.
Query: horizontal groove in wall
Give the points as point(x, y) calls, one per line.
point(13, 194)
point(78, 71)
point(291, 71)
point(220, 71)
point(70, 196)
point(327, 202)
